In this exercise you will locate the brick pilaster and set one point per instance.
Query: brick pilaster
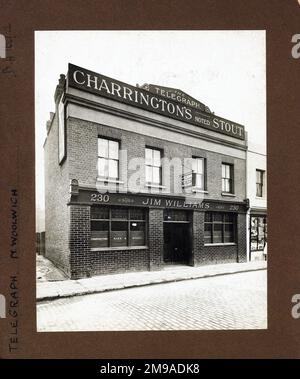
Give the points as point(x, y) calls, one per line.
point(79, 241)
point(241, 237)
point(156, 238)
point(198, 238)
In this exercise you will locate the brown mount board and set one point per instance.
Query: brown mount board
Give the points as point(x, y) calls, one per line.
point(281, 20)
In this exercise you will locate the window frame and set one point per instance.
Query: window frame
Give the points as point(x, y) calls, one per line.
point(230, 179)
point(108, 159)
point(127, 220)
point(254, 238)
point(223, 222)
point(260, 184)
point(204, 174)
point(153, 166)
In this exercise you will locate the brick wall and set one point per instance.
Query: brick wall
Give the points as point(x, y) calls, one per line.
point(219, 254)
point(198, 238)
point(56, 198)
point(118, 261)
point(83, 151)
point(156, 238)
point(79, 241)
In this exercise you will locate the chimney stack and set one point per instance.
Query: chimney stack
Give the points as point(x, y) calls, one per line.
point(60, 87)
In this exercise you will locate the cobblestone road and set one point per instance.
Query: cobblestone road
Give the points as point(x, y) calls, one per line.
point(237, 301)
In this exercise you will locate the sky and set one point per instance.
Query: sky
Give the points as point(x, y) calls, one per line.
point(225, 70)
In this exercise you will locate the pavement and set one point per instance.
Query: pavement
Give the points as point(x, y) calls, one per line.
point(46, 271)
point(224, 302)
point(52, 290)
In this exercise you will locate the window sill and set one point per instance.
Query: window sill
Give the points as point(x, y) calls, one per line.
point(260, 198)
point(115, 181)
point(228, 194)
point(119, 248)
point(159, 186)
point(220, 244)
point(198, 190)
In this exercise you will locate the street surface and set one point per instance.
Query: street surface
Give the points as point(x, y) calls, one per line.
point(236, 301)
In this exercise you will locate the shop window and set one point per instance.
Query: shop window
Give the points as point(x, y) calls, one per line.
point(117, 227)
point(108, 158)
point(258, 236)
point(259, 183)
point(137, 214)
point(227, 178)
point(228, 232)
point(119, 233)
point(208, 233)
point(219, 227)
point(153, 171)
point(137, 233)
point(99, 213)
point(199, 168)
point(217, 233)
point(99, 233)
point(119, 213)
point(208, 217)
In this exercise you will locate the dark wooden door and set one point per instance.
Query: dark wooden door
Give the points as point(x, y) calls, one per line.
point(176, 242)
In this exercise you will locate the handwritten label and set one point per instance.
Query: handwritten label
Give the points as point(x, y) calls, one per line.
point(7, 59)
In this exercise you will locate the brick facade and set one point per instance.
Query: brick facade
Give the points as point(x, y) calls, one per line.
point(57, 218)
point(68, 221)
point(119, 261)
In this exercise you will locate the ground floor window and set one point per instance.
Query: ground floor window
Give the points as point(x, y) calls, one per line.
point(258, 232)
point(117, 227)
point(219, 227)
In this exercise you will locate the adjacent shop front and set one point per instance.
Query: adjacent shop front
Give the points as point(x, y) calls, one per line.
point(258, 234)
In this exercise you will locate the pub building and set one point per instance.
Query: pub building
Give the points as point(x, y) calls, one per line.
point(115, 201)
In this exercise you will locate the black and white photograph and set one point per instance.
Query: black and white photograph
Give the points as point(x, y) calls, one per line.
point(151, 180)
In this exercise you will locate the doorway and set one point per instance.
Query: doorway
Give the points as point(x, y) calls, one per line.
point(176, 242)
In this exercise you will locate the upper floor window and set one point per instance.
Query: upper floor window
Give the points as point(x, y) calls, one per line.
point(259, 183)
point(227, 177)
point(198, 166)
point(153, 166)
point(108, 158)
